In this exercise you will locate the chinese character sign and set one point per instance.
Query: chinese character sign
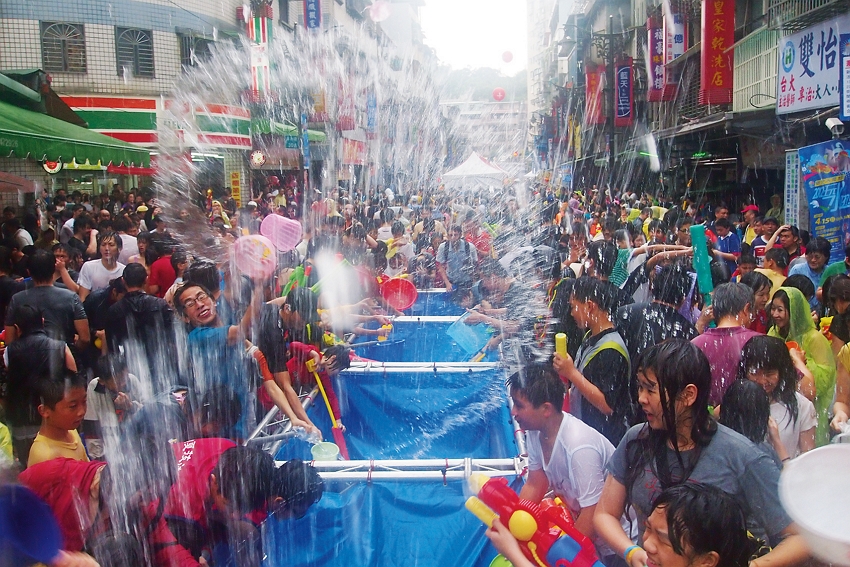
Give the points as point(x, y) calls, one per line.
point(675, 43)
point(624, 93)
point(593, 96)
point(792, 187)
point(312, 14)
point(718, 35)
point(655, 51)
point(824, 170)
point(844, 77)
point(809, 68)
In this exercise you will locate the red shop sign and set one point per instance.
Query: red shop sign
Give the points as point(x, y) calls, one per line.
point(718, 35)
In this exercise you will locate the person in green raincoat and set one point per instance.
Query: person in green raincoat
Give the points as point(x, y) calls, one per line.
point(792, 321)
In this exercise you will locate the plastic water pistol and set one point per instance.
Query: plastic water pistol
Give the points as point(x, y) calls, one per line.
point(545, 532)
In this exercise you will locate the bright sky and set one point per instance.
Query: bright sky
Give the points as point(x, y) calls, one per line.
point(475, 33)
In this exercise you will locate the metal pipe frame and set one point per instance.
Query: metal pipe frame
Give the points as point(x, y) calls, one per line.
point(417, 469)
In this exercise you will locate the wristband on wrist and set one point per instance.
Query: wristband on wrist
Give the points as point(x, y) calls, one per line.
point(627, 554)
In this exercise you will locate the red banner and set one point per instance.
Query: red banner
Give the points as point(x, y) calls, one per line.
point(655, 50)
point(595, 80)
point(718, 35)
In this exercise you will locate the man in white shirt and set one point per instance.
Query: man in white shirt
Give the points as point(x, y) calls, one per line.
point(564, 454)
point(96, 274)
point(129, 244)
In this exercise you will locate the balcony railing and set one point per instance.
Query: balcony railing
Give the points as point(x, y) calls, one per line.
point(755, 59)
point(795, 15)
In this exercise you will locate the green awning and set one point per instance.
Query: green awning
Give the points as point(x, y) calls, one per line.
point(26, 133)
point(266, 126)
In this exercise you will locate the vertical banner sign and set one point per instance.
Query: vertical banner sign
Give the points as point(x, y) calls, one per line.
point(844, 77)
point(824, 172)
point(371, 116)
point(593, 96)
point(305, 141)
point(259, 33)
point(792, 188)
point(236, 187)
point(624, 93)
point(718, 35)
point(655, 52)
point(312, 14)
point(675, 41)
point(809, 68)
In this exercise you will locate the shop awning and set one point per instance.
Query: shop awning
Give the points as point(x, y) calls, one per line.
point(265, 126)
point(26, 133)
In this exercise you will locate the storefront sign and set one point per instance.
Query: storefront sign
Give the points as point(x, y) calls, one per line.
point(312, 14)
point(655, 49)
point(809, 64)
point(353, 152)
point(624, 93)
point(824, 172)
point(844, 77)
point(718, 35)
point(291, 142)
point(675, 43)
point(792, 188)
point(593, 96)
point(236, 187)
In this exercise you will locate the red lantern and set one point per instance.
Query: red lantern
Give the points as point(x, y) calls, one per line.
point(507, 56)
point(498, 94)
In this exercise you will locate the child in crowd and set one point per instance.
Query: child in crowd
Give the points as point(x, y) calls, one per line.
point(108, 403)
point(746, 264)
point(62, 409)
point(329, 364)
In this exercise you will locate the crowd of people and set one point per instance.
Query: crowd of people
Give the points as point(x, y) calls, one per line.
point(121, 341)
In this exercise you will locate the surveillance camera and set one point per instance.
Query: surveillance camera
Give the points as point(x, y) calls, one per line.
point(835, 126)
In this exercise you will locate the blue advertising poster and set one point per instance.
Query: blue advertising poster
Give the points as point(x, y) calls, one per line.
point(844, 78)
point(305, 141)
point(371, 113)
point(824, 172)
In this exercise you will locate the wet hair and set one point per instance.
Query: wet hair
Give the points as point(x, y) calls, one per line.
point(704, 519)
point(746, 409)
point(819, 244)
point(778, 255)
point(116, 238)
point(121, 224)
point(839, 287)
point(135, 275)
point(244, 477)
point(756, 281)
point(672, 283)
point(178, 256)
point(491, 267)
point(723, 223)
point(111, 365)
point(599, 292)
point(801, 282)
point(299, 484)
point(28, 319)
point(203, 271)
point(42, 266)
point(768, 354)
point(622, 235)
point(51, 391)
point(539, 384)
point(611, 225)
point(303, 302)
point(656, 224)
point(676, 364)
point(604, 256)
point(219, 406)
point(342, 354)
point(397, 229)
point(730, 299)
point(83, 222)
point(747, 259)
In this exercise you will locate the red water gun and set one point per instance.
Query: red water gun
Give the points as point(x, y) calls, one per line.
point(545, 531)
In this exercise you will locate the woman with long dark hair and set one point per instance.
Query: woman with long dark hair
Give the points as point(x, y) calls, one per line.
point(680, 442)
point(792, 322)
point(767, 362)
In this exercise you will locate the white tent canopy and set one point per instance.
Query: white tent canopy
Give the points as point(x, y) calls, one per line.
point(475, 168)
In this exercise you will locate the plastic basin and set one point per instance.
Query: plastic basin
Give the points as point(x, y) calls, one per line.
point(813, 489)
point(325, 451)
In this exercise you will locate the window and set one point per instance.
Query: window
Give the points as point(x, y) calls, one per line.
point(134, 49)
point(193, 50)
point(63, 47)
point(284, 12)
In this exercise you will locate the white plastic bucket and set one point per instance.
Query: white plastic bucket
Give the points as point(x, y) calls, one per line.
point(325, 451)
point(813, 488)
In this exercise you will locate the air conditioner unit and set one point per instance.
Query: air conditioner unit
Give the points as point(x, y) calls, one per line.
point(563, 65)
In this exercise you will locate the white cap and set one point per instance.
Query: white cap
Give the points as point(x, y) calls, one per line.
point(252, 204)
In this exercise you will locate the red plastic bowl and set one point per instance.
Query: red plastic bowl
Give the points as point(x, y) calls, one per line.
point(399, 293)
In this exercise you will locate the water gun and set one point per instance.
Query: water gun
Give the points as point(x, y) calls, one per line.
point(545, 532)
point(298, 278)
point(702, 263)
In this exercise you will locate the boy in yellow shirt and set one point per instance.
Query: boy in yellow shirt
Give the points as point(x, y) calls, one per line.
point(62, 409)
